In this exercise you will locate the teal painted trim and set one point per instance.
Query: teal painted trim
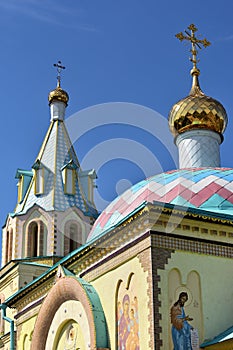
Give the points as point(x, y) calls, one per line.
point(103, 233)
point(26, 182)
point(93, 214)
point(35, 264)
point(101, 330)
point(70, 165)
point(26, 176)
point(67, 272)
point(184, 209)
point(37, 164)
point(12, 332)
point(51, 269)
point(21, 172)
point(218, 338)
point(208, 214)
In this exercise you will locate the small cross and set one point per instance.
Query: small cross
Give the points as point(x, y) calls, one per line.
point(59, 69)
point(194, 41)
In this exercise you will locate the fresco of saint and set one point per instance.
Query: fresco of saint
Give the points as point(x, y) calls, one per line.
point(181, 329)
point(128, 325)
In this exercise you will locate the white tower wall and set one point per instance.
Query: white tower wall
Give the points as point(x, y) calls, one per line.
point(57, 110)
point(198, 148)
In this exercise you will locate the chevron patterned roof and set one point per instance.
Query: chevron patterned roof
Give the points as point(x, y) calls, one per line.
point(209, 189)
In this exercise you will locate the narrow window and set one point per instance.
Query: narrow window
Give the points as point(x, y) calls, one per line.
point(6, 247)
point(10, 246)
point(2, 328)
point(69, 181)
point(68, 177)
point(20, 189)
point(34, 244)
point(90, 189)
point(39, 177)
point(39, 181)
point(72, 238)
point(32, 239)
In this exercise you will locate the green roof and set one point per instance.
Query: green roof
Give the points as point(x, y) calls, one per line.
point(224, 336)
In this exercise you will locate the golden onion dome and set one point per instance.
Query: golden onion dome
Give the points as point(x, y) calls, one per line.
point(58, 94)
point(197, 111)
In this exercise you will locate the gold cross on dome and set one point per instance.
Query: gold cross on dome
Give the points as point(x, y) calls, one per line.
point(59, 69)
point(194, 41)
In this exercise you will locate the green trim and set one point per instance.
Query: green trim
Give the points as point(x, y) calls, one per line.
point(101, 330)
point(181, 209)
point(70, 165)
point(21, 172)
point(219, 338)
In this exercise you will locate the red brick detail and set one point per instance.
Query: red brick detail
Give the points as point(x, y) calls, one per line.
point(160, 258)
point(67, 288)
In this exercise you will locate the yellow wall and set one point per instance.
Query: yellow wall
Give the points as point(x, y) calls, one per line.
point(8, 287)
point(24, 340)
point(225, 345)
point(207, 279)
point(106, 287)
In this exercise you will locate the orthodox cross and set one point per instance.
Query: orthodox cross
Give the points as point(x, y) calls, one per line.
point(59, 69)
point(194, 41)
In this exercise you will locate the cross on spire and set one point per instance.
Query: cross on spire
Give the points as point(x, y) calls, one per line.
point(59, 69)
point(196, 43)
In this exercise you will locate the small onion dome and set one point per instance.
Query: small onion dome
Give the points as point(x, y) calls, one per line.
point(197, 111)
point(58, 95)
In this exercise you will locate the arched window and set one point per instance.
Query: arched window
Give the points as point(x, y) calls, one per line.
point(6, 247)
point(34, 243)
point(9, 245)
point(72, 237)
point(2, 328)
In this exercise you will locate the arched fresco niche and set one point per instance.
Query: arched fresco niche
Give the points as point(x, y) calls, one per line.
point(127, 318)
point(190, 284)
point(70, 337)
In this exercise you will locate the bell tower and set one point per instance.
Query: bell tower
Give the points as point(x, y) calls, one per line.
point(53, 214)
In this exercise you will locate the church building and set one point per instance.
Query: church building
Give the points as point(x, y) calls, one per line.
point(72, 278)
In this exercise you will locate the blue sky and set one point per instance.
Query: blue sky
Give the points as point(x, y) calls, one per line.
point(114, 51)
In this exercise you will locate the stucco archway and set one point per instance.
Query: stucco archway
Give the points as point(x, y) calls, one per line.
point(71, 288)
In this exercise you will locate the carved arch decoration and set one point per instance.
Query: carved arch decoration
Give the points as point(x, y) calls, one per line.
point(71, 288)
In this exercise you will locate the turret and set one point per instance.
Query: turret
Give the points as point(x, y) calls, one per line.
point(197, 121)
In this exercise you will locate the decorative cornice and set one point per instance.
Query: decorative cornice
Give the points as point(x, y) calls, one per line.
point(132, 228)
